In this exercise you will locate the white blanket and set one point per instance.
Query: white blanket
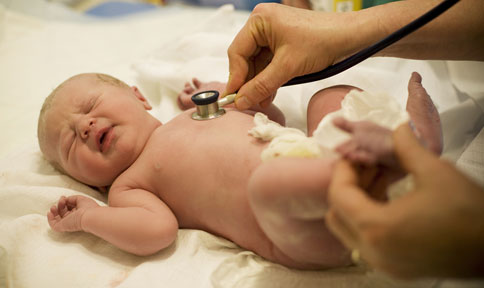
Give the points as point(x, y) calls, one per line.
point(37, 54)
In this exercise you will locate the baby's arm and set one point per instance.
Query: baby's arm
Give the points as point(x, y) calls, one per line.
point(136, 220)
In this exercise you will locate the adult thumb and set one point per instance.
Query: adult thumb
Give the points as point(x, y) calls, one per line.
point(264, 85)
point(410, 153)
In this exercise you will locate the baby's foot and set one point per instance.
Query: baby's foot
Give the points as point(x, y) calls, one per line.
point(185, 97)
point(424, 115)
point(370, 143)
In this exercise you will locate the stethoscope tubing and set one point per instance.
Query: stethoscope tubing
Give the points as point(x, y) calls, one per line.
point(375, 48)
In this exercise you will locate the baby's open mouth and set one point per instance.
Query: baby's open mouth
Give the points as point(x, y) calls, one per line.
point(104, 137)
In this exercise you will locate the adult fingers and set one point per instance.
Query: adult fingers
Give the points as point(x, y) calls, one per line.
point(264, 84)
point(345, 197)
point(249, 55)
point(243, 47)
point(266, 102)
point(341, 230)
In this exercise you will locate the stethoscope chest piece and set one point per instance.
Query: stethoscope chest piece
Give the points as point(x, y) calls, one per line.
point(208, 105)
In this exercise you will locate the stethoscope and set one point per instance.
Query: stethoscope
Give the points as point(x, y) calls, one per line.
point(209, 106)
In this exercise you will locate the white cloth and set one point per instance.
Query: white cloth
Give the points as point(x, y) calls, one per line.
point(471, 161)
point(357, 105)
point(379, 108)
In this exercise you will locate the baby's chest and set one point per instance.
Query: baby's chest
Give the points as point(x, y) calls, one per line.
point(189, 165)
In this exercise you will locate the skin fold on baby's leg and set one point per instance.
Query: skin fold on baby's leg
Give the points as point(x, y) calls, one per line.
point(288, 197)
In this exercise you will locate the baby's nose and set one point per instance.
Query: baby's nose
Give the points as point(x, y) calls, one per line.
point(86, 125)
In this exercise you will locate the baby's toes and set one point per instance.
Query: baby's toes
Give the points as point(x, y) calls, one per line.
point(187, 91)
point(197, 83)
point(179, 102)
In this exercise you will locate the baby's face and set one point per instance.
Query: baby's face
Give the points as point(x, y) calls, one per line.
point(95, 130)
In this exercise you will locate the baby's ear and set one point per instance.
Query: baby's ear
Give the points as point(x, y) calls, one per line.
point(141, 98)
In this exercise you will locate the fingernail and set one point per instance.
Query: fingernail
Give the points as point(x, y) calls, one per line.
point(242, 103)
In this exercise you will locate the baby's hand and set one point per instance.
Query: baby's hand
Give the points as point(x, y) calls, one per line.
point(370, 143)
point(66, 215)
point(185, 97)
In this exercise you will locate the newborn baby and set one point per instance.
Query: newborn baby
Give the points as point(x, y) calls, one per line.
point(187, 174)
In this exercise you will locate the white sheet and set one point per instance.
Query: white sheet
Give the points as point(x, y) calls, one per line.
point(36, 55)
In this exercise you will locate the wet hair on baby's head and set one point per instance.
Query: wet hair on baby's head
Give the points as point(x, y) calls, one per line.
point(111, 80)
point(41, 135)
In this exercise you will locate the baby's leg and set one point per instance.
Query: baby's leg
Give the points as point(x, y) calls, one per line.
point(324, 102)
point(288, 197)
point(424, 115)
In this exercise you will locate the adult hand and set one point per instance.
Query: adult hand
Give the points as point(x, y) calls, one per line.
point(305, 4)
point(434, 230)
point(278, 43)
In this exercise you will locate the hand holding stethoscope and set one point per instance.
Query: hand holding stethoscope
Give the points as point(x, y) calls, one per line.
point(266, 84)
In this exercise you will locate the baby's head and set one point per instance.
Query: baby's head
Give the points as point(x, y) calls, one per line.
point(93, 127)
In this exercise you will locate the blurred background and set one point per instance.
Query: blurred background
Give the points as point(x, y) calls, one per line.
point(115, 8)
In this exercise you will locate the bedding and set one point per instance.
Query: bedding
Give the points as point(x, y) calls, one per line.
point(159, 51)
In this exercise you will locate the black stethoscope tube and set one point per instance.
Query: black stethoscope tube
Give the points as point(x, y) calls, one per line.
point(371, 50)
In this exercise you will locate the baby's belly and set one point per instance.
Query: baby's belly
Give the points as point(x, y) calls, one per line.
point(238, 224)
point(201, 172)
point(223, 212)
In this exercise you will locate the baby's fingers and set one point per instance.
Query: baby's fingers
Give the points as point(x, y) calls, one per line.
point(50, 217)
point(61, 206)
point(53, 219)
point(71, 202)
point(54, 210)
